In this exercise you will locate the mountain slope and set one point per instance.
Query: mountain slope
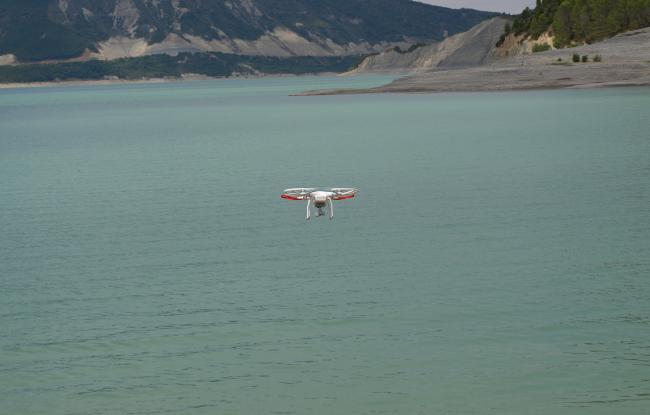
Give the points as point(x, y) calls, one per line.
point(35, 30)
point(474, 47)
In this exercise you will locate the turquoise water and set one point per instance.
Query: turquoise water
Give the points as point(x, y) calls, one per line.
point(496, 261)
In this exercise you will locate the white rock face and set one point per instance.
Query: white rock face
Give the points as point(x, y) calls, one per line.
point(63, 6)
point(87, 13)
point(121, 47)
point(281, 42)
point(125, 16)
point(8, 59)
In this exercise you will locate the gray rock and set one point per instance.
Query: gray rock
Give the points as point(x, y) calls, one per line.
point(471, 48)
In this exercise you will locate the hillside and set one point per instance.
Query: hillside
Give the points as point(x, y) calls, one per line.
point(38, 30)
point(623, 60)
point(474, 47)
point(578, 21)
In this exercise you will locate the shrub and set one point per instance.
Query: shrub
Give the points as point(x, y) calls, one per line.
point(541, 47)
point(410, 49)
point(598, 58)
point(559, 59)
point(501, 40)
point(575, 57)
point(506, 31)
point(585, 58)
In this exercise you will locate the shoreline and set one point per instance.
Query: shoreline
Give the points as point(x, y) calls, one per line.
point(187, 78)
point(60, 84)
point(503, 80)
point(404, 85)
point(494, 78)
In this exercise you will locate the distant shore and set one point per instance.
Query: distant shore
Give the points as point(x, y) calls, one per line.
point(15, 85)
point(185, 78)
point(165, 68)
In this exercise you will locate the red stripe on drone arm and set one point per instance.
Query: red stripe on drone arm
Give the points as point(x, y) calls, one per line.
point(344, 197)
point(289, 197)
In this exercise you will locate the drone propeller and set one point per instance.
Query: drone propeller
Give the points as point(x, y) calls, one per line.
point(299, 193)
point(344, 192)
point(300, 190)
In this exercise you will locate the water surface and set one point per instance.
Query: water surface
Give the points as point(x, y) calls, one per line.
point(496, 260)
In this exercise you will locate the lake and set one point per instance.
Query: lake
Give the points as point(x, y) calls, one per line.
point(495, 261)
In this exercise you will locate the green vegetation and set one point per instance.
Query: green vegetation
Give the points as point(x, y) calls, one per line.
point(575, 57)
point(160, 66)
point(598, 58)
point(576, 21)
point(588, 21)
point(585, 58)
point(541, 47)
point(27, 31)
point(506, 31)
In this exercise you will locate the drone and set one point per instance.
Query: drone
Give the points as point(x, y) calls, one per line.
point(320, 198)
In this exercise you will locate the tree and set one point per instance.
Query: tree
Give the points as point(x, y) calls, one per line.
point(574, 21)
point(562, 26)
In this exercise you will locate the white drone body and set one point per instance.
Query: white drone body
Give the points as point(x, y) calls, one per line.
point(320, 198)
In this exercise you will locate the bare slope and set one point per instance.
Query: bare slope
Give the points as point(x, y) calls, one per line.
point(471, 48)
point(625, 61)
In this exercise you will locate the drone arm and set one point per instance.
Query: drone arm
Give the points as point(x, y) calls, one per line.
point(329, 199)
point(308, 209)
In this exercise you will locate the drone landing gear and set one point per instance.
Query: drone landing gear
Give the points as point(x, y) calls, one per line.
point(329, 200)
point(319, 209)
